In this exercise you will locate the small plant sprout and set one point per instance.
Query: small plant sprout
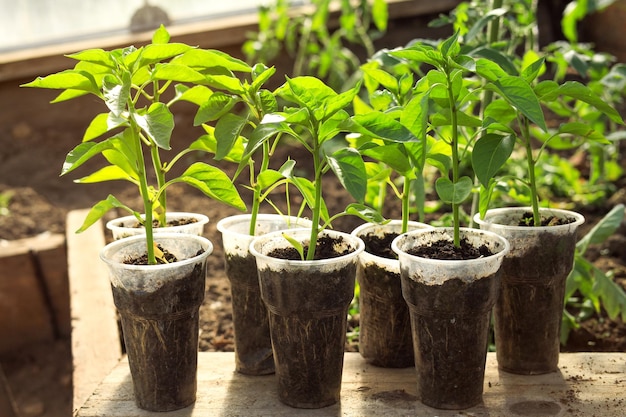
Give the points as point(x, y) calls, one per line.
point(518, 117)
point(449, 92)
point(238, 137)
point(134, 84)
point(393, 131)
point(315, 115)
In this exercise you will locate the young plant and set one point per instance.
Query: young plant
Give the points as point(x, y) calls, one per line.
point(315, 115)
point(392, 130)
point(229, 139)
point(515, 80)
point(449, 90)
point(132, 83)
point(518, 117)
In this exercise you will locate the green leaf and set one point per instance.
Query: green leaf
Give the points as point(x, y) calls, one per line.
point(217, 105)
point(260, 75)
point(450, 47)
point(227, 131)
point(365, 213)
point(380, 14)
point(108, 173)
point(490, 153)
point(296, 244)
point(485, 197)
point(453, 193)
point(95, 56)
point(381, 125)
point(583, 93)
point(382, 77)
point(82, 153)
point(159, 52)
point(309, 92)
point(197, 95)
point(174, 72)
point(264, 132)
point(499, 61)
point(267, 101)
point(520, 95)
point(158, 124)
point(480, 24)
point(116, 92)
point(203, 59)
point(214, 183)
point(535, 68)
point(99, 210)
point(420, 53)
point(226, 82)
point(490, 70)
point(349, 168)
point(603, 229)
point(65, 80)
point(268, 178)
point(208, 143)
point(123, 156)
point(101, 124)
point(393, 155)
point(160, 35)
point(612, 294)
point(415, 115)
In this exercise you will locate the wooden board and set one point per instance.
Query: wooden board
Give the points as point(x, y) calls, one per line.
point(96, 347)
point(588, 384)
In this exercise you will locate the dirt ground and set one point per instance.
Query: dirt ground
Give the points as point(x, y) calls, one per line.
point(34, 138)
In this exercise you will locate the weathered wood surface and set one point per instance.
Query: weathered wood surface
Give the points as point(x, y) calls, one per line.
point(96, 347)
point(34, 300)
point(587, 384)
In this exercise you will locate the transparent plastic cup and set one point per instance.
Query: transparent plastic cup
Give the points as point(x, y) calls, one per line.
point(308, 306)
point(450, 304)
point(127, 226)
point(253, 344)
point(159, 310)
point(384, 322)
point(529, 310)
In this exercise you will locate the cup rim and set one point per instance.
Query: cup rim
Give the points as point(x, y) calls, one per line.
point(360, 246)
point(505, 250)
point(114, 246)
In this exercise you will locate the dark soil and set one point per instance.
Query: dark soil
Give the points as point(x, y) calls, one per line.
point(445, 250)
point(324, 249)
point(527, 220)
point(380, 245)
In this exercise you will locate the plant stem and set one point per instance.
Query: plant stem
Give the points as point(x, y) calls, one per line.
point(455, 156)
point(406, 188)
point(532, 182)
point(143, 188)
point(160, 177)
point(315, 219)
point(256, 199)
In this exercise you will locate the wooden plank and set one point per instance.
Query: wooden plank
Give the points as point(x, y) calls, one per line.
point(52, 262)
point(587, 384)
point(96, 347)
